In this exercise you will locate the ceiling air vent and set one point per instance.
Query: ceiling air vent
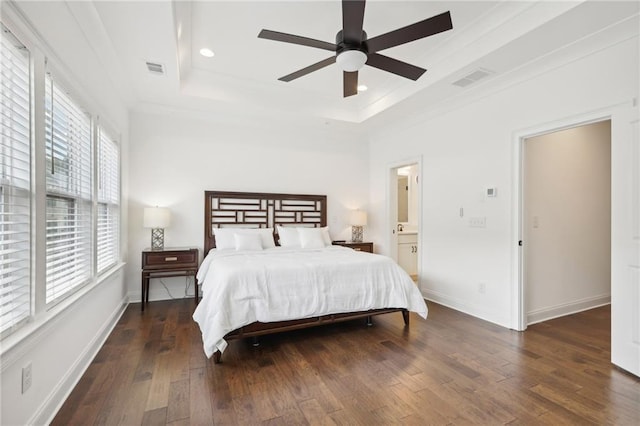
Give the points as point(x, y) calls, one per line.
point(471, 78)
point(155, 68)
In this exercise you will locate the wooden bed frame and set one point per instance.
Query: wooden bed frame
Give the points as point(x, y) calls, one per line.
point(264, 210)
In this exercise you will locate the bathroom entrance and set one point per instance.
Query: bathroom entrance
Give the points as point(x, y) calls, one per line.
point(404, 207)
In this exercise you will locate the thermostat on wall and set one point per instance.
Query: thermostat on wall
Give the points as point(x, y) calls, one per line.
point(492, 192)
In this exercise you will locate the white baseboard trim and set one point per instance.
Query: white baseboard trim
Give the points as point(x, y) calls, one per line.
point(52, 404)
point(546, 314)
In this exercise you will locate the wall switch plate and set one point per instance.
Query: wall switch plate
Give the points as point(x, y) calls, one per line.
point(482, 288)
point(26, 377)
point(477, 222)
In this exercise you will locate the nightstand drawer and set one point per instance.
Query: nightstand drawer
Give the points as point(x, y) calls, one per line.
point(360, 247)
point(364, 246)
point(168, 258)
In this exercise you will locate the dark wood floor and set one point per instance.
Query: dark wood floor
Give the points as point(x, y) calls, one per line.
point(449, 369)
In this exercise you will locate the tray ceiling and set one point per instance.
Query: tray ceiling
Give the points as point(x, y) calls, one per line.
point(503, 39)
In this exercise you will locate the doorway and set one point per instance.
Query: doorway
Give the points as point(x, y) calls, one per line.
point(404, 215)
point(566, 221)
point(625, 226)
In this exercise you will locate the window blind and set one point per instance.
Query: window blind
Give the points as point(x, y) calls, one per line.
point(15, 184)
point(69, 248)
point(108, 216)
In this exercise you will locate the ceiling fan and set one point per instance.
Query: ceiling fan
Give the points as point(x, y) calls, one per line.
point(354, 50)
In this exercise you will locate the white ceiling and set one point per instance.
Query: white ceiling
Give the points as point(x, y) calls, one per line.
point(509, 38)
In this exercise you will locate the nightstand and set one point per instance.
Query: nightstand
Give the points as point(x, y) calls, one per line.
point(364, 246)
point(169, 262)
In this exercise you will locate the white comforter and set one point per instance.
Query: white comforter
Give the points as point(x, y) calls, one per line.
point(242, 287)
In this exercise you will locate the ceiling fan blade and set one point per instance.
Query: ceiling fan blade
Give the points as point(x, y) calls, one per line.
point(290, 38)
point(309, 69)
point(350, 83)
point(352, 17)
point(395, 66)
point(428, 27)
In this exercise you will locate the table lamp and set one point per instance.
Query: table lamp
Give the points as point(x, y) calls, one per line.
point(157, 218)
point(357, 220)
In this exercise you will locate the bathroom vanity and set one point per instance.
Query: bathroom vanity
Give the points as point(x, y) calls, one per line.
point(408, 252)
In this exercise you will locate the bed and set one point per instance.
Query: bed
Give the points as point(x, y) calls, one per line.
point(255, 284)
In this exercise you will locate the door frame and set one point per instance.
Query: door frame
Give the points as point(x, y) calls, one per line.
point(392, 208)
point(518, 285)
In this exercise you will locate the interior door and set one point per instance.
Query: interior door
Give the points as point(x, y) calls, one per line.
point(625, 242)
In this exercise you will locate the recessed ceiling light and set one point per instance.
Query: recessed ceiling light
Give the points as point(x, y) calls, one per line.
point(207, 53)
point(362, 88)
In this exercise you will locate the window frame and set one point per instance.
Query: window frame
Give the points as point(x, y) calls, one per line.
point(16, 183)
point(69, 138)
point(105, 197)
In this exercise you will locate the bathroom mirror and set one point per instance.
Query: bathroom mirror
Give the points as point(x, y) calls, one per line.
point(403, 198)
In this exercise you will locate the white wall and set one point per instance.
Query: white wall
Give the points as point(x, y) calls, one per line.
point(60, 342)
point(567, 221)
point(175, 158)
point(471, 148)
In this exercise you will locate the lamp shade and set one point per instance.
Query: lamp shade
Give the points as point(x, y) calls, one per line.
point(358, 218)
point(156, 217)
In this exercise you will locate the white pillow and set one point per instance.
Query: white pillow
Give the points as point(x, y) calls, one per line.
point(311, 238)
point(245, 241)
point(325, 236)
point(267, 237)
point(225, 236)
point(288, 236)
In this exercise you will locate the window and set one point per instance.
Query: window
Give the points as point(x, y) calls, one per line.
point(108, 201)
point(77, 163)
point(69, 247)
point(15, 184)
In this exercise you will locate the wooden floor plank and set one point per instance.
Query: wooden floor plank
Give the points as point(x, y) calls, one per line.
point(155, 417)
point(450, 369)
point(314, 413)
point(133, 411)
point(178, 407)
point(200, 412)
point(160, 383)
point(421, 403)
point(115, 402)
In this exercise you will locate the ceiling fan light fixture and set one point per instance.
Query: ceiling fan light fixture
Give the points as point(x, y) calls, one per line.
point(351, 60)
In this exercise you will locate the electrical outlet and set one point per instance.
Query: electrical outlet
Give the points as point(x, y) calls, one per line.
point(482, 288)
point(477, 222)
point(26, 377)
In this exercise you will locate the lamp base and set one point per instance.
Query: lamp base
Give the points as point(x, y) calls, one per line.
point(157, 239)
point(356, 234)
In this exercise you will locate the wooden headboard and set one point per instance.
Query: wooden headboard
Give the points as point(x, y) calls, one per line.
point(260, 210)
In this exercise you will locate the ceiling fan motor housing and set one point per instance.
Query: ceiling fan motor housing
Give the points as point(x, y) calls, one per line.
point(351, 56)
point(347, 45)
